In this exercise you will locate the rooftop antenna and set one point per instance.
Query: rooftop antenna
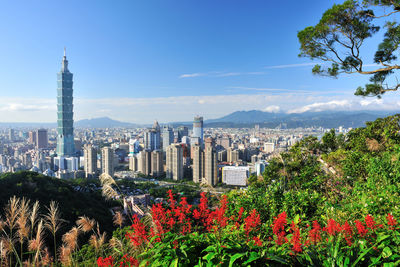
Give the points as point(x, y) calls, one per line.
point(65, 51)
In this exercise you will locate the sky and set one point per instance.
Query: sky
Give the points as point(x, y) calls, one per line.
point(137, 61)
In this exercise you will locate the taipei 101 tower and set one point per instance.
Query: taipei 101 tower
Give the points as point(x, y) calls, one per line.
point(65, 121)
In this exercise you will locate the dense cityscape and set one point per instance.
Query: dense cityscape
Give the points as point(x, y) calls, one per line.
point(186, 133)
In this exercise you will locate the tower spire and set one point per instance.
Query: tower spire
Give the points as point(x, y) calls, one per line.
point(65, 54)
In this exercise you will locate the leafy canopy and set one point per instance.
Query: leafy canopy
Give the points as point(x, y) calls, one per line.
point(340, 34)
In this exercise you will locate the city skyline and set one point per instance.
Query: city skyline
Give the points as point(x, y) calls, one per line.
point(239, 60)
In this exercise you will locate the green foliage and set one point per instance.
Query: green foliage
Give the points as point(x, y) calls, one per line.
point(340, 34)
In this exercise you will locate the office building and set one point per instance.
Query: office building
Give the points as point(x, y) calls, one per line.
point(157, 165)
point(198, 129)
point(144, 162)
point(65, 128)
point(182, 131)
point(152, 137)
point(41, 139)
point(90, 161)
point(232, 175)
point(32, 137)
point(174, 162)
point(167, 137)
point(11, 134)
point(210, 163)
point(198, 160)
point(133, 164)
point(269, 147)
point(107, 161)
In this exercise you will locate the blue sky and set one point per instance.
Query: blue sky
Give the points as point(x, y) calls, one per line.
point(169, 60)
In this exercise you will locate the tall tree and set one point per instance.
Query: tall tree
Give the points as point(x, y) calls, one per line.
point(340, 34)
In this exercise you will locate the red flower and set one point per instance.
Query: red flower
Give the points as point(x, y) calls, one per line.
point(315, 233)
point(138, 236)
point(332, 227)
point(252, 222)
point(278, 228)
point(296, 242)
point(370, 222)
point(257, 241)
point(106, 262)
point(128, 261)
point(391, 221)
point(362, 231)
point(348, 233)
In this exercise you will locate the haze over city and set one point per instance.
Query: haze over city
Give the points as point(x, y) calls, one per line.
point(167, 60)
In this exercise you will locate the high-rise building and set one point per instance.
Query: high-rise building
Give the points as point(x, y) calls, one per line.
point(197, 168)
point(144, 162)
point(210, 164)
point(11, 134)
point(32, 137)
point(233, 175)
point(198, 128)
point(157, 167)
point(167, 137)
point(133, 163)
point(182, 131)
point(41, 139)
point(65, 127)
point(90, 158)
point(107, 161)
point(152, 137)
point(174, 162)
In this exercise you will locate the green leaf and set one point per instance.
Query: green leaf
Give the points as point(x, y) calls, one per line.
point(253, 256)
point(387, 252)
point(234, 258)
point(174, 263)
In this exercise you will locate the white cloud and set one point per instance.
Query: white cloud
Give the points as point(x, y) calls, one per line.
point(367, 102)
point(293, 65)
point(272, 109)
point(192, 75)
point(316, 107)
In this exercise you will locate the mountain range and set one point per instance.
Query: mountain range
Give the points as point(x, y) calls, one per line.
point(243, 119)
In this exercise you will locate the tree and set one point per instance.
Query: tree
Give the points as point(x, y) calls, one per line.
point(340, 34)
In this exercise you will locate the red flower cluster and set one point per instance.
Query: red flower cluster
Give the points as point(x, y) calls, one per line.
point(138, 235)
point(126, 261)
point(391, 221)
point(252, 222)
point(315, 233)
point(279, 228)
point(106, 262)
point(295, 241)
point(332, 227)
point(362, 231)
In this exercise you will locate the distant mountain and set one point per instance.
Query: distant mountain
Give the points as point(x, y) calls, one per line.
point(103, 122)
point(326, 119)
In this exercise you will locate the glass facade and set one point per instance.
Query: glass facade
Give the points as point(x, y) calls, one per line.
point(65, 121)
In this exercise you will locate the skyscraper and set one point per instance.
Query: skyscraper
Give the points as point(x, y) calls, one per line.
point(65, 129)
point(41, 138)
point(167, 137)
point(107, 160)
point(174, 162)
point(198, 162)
point(198, 128)
point(90, 156)
point(152, 137)
point(210, 163)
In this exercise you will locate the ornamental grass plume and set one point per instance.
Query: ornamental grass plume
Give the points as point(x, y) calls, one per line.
point(34, 214)
point(71, 238)
point(107, 183)
point(85, 224)
point(65, 255)
point(53, 223)
point(22, 224)
point(11, 213)
point(118, 219)
point(36, 244)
